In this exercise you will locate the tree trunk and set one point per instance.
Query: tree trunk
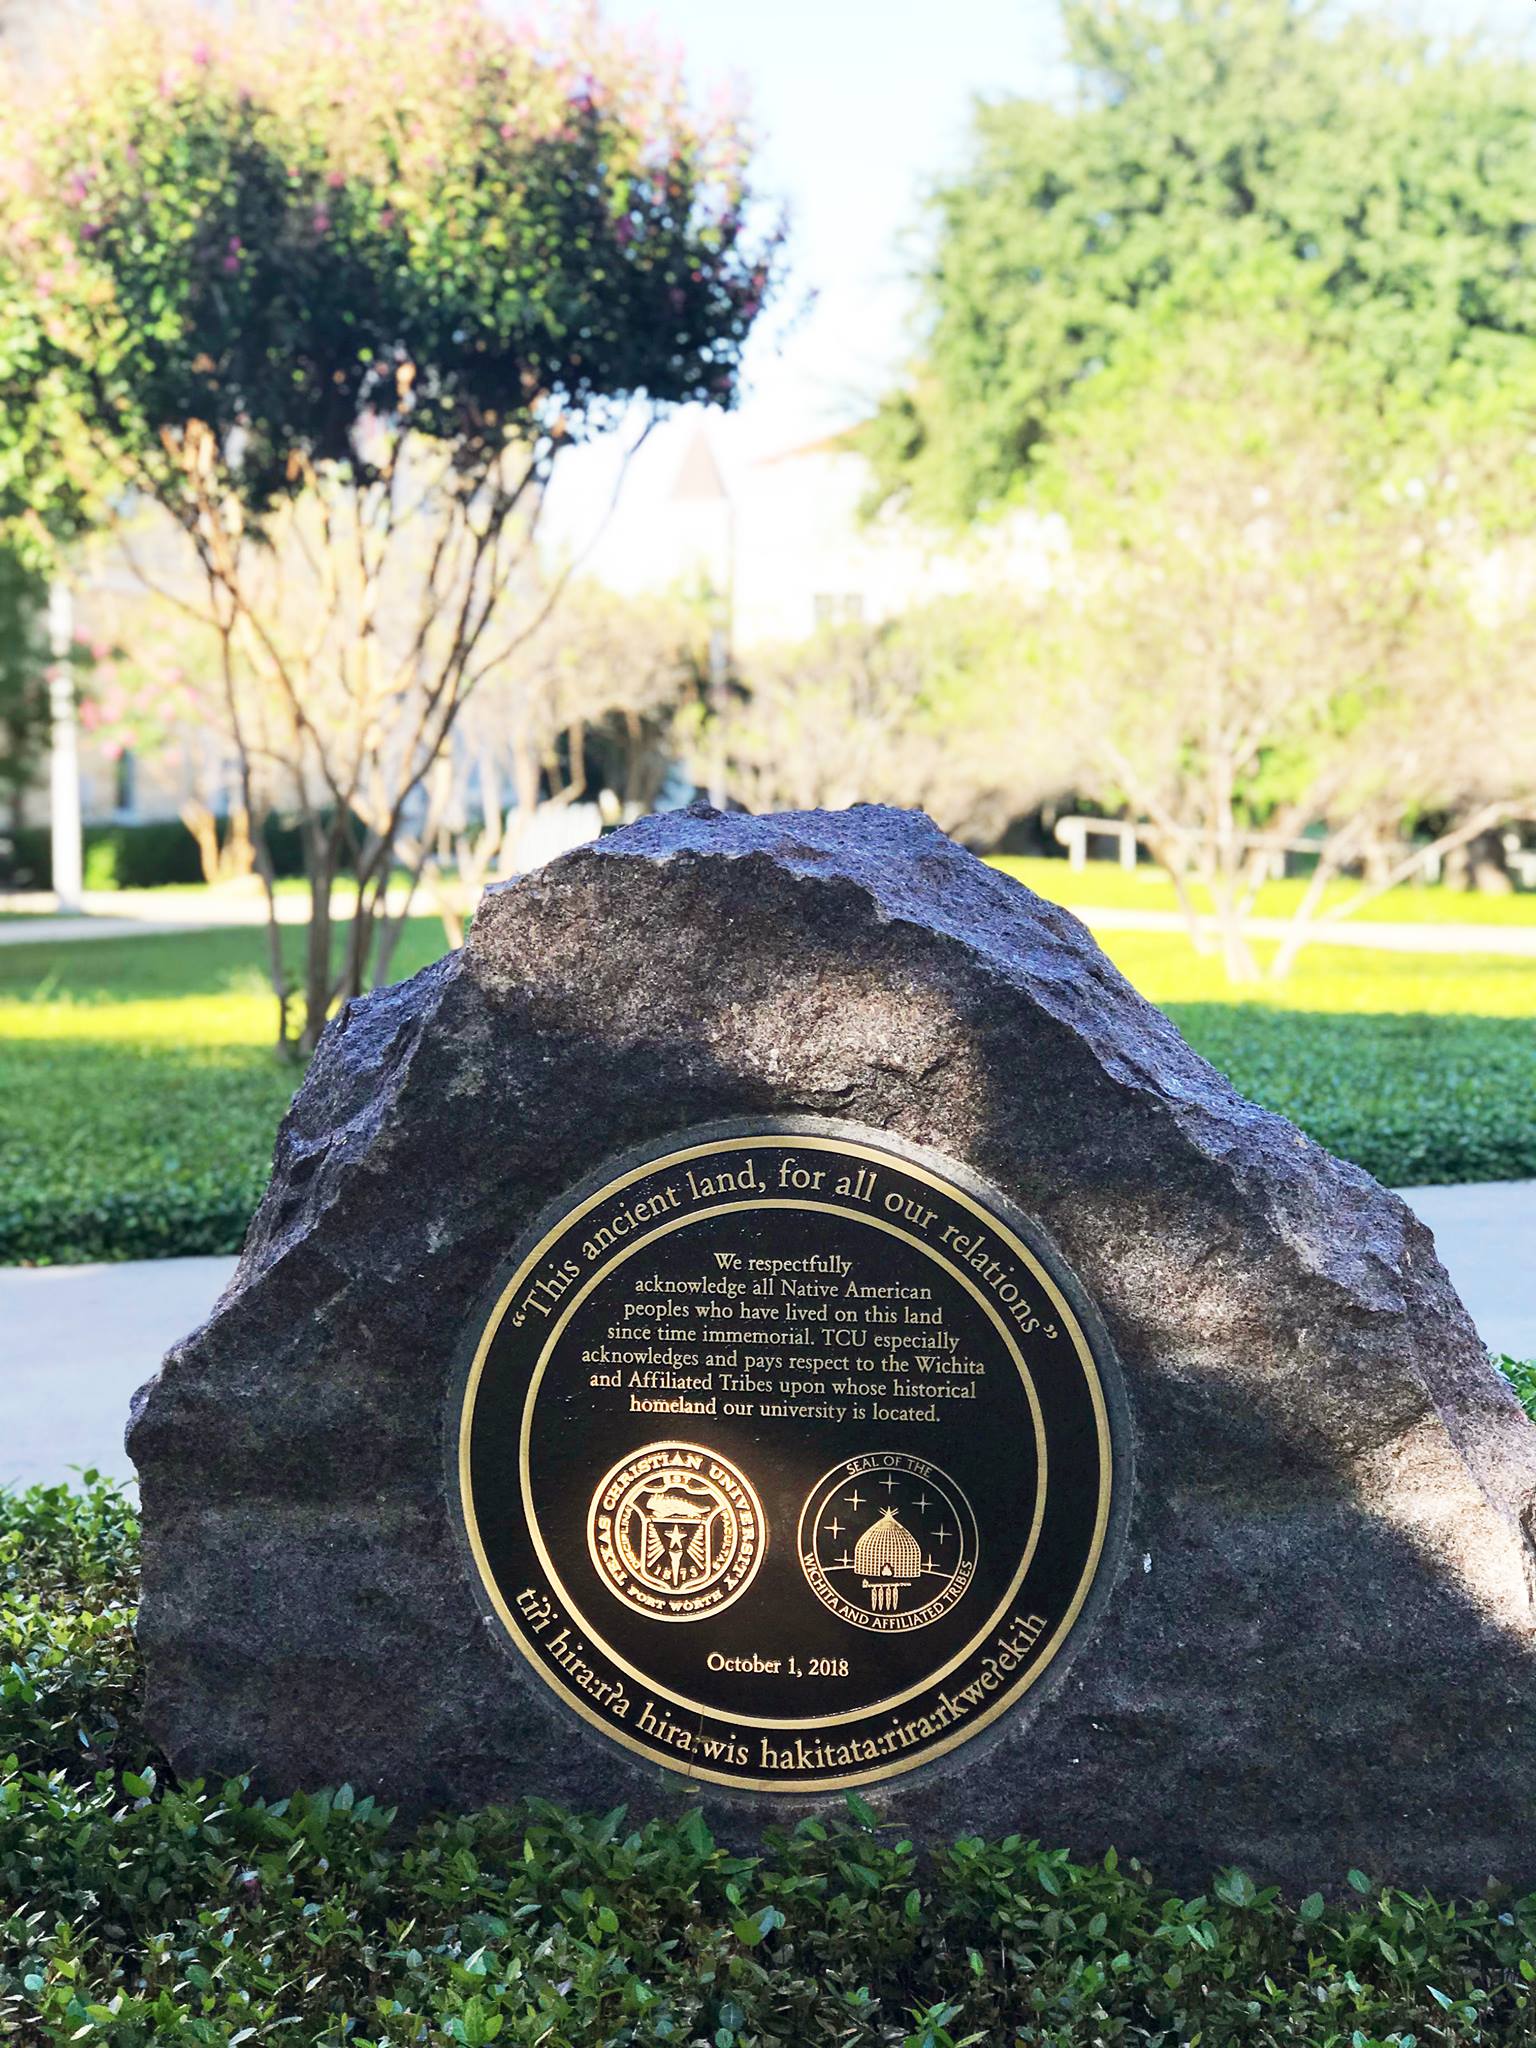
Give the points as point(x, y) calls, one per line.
point(203, 826)
point(320, 851)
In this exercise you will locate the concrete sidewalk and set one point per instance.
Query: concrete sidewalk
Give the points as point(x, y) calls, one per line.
point(79, 1339)
point(161, 913)
point(1512, 941)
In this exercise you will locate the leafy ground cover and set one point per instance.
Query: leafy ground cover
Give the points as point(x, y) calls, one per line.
point(137, 1910)
point(138, 1096)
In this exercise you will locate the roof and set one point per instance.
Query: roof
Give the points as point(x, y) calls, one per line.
point(698, 474)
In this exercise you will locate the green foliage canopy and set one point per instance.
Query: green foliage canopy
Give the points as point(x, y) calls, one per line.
point(1240, 155)
point(286, 225)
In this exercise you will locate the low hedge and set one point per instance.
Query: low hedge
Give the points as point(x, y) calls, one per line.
point(113, 1152)
point(135, 1909)
point(141, 1098)
point(1413, 1099)
point(142, 856)
point(152, 853)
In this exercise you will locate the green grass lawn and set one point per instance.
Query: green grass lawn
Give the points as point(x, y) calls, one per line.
point(138, 1096)
point(1102, 883)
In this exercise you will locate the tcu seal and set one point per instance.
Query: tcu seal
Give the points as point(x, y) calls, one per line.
point(888, 1542)
point(676, 1532)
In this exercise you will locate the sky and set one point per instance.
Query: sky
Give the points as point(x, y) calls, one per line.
point(860, 105)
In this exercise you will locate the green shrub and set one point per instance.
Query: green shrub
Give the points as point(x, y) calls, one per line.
point(144, 856)
point(150, 854)
point(26, 858)
point(135, 1909)
point(1521, 1373)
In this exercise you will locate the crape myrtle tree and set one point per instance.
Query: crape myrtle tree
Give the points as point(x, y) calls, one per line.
point(327, 288)
point(917, 709)
point(23, 683)
point(50, 491)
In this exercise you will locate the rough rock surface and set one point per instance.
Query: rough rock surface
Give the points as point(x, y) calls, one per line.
point(1319, 1647)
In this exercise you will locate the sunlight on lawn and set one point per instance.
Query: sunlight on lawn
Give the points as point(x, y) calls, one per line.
point(209, 989)
point(1107, 886)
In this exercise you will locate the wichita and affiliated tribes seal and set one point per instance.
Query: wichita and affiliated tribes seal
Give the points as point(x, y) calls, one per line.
point(888, 1542)
point(785, 1455)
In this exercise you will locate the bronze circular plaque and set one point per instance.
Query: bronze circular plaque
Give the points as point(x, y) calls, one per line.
point(783, 1457)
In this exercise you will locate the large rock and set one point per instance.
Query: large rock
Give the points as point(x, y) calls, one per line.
point(1312, 1644)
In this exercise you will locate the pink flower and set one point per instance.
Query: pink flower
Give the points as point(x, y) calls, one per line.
point(322, 221)
point(336, 180)
point(387, 219)
point(202, 56)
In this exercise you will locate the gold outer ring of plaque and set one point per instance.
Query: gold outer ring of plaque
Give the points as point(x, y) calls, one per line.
point(913, 1169)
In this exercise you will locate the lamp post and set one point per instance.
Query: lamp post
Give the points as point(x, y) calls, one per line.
point(64, 772)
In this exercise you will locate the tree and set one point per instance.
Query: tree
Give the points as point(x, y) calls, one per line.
point(583, 715)
point(50, 487)
point(914, 710)
point(1377, 184)
point(1277, 627)
point(23, 687)
point(319, 283)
